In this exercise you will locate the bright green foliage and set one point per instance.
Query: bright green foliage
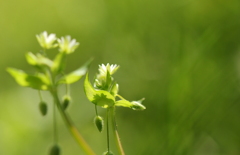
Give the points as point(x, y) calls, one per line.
point(38, 81)
point(135, 105)
point(48, 69)
point(75, 75)
point(98, 120)
point(49, 75)
point(99, 97)
point(106, 89)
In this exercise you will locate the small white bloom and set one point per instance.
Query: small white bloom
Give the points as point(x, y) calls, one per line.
point(46, 41)
point(67, 45)
point(101, 78)
point(110, 68)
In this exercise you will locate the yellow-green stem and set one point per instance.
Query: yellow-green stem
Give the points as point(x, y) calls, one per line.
point(72, 128)
point(115, 132)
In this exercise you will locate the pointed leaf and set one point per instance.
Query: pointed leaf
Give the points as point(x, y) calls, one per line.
point(76, 75)
point(39, 82)
point(31, 58)
point(99, 97)
point(135, 105)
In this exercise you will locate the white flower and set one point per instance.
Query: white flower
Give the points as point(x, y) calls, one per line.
point(67, 45)
point(110, 68)
point(102, 79)
point(46, 41)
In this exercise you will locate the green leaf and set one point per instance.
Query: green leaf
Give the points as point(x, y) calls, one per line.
point(114, 89)
point(123, 103)
point(75, 75)
point(39, 82)
point(59, 63)
point(99, 97)
point(31, 58)
point(135, 105)
point(39, 61)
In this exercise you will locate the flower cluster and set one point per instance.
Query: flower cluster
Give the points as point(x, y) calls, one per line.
point(105, 90)
point(65, 44)
point(104, 78)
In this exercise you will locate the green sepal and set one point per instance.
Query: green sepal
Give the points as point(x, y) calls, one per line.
point(43, 108)
point(109, 80)
point(39, 81)
point(75, 75)
point(99, 97)
point(135, 105)
point(55, 150)
point(59, 63)
point(98, 121)
point(114, 89)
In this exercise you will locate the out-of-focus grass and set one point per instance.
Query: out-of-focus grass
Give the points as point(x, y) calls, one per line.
point(182, 56)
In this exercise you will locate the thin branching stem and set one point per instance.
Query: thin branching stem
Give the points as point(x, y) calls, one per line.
point(115, 132)
point(72, 128)
point(40, 95)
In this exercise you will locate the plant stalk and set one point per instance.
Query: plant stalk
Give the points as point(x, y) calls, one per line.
point(115, 132)
point(72, 128)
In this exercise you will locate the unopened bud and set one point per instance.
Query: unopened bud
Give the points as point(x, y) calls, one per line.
point(43, 108)
point(66, 100)
point(137, 105)
point(98, 120)
point(55, 150)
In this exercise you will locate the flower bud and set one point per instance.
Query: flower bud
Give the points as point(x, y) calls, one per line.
point(55, 150)
point(66, 100)
point(98, 120)
point(137, 105)
point(43, 108)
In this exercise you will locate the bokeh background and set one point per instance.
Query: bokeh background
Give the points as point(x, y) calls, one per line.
point(183, 56)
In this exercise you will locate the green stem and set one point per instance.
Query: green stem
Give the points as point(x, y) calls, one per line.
point(55, 132)
point(40, 95)
point(108, 143)
point(96, 110)
point(120, 97)
point(115, 131)
point(72, 128)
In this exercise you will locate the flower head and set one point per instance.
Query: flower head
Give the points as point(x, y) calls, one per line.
point(67, 45)
point(104, 78)
point(46, 41)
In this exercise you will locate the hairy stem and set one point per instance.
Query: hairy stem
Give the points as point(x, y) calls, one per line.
point(115, 131)
point(72, 128)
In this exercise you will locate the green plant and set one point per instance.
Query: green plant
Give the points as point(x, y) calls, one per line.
point(50, 74)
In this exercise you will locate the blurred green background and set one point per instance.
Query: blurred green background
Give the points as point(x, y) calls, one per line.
point(183, 56)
